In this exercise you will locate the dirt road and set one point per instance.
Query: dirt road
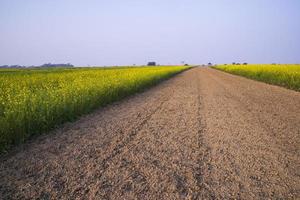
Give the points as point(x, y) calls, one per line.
point(203, 134)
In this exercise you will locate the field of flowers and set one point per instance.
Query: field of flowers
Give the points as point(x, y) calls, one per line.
point(33, 101)
point(283, 75)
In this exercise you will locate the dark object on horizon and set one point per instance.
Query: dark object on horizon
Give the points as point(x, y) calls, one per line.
point(151, 63)
point(237, 63)
point(12, 66)
point(273, 63)
point(186, 64)
point(209, 64)
point(233, 63)
point(245, 63)
point(57, 65)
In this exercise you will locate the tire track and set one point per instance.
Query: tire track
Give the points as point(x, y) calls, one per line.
point(157, 154)
point(120, 146)
point(97, 179)
point(202, 172)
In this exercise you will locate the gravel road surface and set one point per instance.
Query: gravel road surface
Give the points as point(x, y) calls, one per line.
point(203, 134)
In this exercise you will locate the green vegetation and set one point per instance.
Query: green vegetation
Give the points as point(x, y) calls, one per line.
point(33, 101)
point(284, 75)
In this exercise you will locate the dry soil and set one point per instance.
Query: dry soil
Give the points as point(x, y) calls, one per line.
point(203, 134)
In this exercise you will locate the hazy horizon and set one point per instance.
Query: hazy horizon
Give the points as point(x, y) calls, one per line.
point(108, 33)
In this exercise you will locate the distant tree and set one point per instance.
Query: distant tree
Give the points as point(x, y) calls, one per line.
point(233, 63)
point(245, 63)
point(12, 66)
point(209, 64)
point(57, 65)
point(151, 64)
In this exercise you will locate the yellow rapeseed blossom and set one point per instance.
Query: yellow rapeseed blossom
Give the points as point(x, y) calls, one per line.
point(33, 101)
point(284, 75)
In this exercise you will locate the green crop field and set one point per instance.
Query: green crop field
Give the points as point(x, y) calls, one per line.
point(33, 101)
point(283, 75)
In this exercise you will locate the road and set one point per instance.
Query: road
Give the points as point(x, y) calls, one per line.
point(203, 134)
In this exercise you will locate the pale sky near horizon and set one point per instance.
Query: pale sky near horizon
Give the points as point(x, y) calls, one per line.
point(118, 32)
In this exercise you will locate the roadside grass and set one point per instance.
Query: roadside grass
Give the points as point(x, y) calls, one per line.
point(283, 75)
point(34, 101)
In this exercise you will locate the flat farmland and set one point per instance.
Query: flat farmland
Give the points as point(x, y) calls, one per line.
point(278, 74)
point(33, 101)
point(203, 134)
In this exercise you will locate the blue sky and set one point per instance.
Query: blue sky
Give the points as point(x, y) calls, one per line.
point(118, 32)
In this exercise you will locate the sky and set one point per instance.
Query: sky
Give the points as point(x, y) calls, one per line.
point(118, 32)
